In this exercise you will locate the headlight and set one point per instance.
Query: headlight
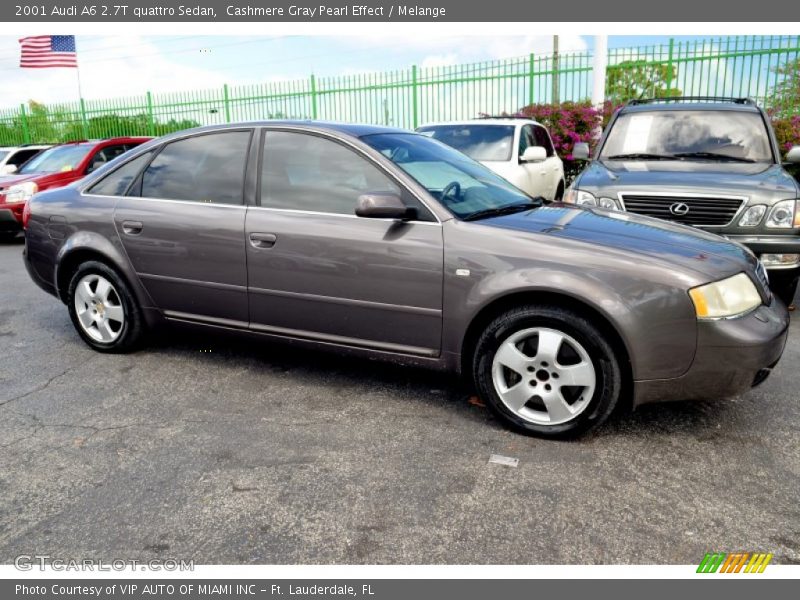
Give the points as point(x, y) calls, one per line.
point(784, 215)
point(21, 192)
point(727, 298)
point(580, 197)
point(752, 216)
point(608, 203)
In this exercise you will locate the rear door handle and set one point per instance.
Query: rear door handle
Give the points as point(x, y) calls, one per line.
point(263, 240)
point(132, 227)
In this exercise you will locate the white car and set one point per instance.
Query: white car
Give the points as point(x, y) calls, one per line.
point(13, 157)
point(519, 150)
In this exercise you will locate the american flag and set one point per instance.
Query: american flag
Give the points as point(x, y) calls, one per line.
point(41, 51)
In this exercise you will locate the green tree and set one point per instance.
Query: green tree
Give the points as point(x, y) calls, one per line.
point(632, 80)
point(783, 99)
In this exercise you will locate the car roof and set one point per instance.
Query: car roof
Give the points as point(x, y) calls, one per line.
point(356, 130)
point(486, 121)
point(689, 105)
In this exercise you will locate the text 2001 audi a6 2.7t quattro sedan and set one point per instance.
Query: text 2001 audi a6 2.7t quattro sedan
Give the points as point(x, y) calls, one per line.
point(387, 243)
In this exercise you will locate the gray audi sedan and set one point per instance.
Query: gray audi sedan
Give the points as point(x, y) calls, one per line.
point(388, 244)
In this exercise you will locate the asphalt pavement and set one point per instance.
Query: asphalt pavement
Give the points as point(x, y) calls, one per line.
point(222, 451)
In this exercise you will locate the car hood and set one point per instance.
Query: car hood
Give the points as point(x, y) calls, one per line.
point(738, 179)
point(702, 252)
point(41, 179)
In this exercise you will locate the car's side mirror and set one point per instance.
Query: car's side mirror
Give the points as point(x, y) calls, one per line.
point(383, 206)
point(534, 154)
point(581, 151)
point(793, 156)
point(8, 170)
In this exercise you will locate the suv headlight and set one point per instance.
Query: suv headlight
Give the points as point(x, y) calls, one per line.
point(580, 197)
point(784, 215)
point(752, 216)
point(609, 203)
point(727, 298)
point(21, 192)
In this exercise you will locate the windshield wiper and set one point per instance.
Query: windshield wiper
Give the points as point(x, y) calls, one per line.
point(501, 210)
point(714, 156)
point(640, 156)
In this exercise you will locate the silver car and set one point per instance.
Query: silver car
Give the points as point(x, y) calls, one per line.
point(388, 244)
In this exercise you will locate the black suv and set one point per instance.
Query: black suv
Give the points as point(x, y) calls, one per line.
point(709, 162)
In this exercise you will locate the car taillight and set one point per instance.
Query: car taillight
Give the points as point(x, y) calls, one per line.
point(26, 214)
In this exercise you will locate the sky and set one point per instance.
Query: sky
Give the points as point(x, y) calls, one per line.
point(118, 66)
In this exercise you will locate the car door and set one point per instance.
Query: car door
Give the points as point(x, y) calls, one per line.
point(182, 226)
point(536, 172)
point(551, 167)
point(317, 271)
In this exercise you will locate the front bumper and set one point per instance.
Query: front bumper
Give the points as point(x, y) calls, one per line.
point(769, 244)
point(732, 356)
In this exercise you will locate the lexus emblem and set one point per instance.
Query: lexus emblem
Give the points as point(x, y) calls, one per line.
point(679, 209)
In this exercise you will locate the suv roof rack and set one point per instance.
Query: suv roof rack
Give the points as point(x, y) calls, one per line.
point(483, 116)
point(730, 99)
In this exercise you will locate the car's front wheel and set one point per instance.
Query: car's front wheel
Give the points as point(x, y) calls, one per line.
point(547, 371)
point(103, 309)
point(783, 284)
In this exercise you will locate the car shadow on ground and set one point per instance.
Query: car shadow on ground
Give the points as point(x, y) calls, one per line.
point(16, 241)
point(700, 419)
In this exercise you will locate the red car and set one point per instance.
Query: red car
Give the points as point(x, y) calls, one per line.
point(53, 168)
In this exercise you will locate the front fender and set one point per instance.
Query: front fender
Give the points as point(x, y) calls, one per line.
point(650, 312)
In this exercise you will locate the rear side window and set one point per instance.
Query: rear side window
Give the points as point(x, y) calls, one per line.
point(22, 156)
point(307, 172)
point(117, 182)
point(204, 168)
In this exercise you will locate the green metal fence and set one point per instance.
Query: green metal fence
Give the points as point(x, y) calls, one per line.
point(761, 67)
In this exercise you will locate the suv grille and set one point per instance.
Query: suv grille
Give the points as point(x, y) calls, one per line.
point(687, 210)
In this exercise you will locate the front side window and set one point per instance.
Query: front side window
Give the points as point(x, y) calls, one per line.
point(479, 142)
point(543, 139)
point(465, 187)
point(117, 182)
point(525, 139)
point(311, 173)
point(57, 160)
point(689, 134)
point(205, 168)
point(105, 155)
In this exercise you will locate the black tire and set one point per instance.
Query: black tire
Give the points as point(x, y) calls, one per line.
point(559, 193)
point(132, 330)
point(608, 375)
point(783, 284)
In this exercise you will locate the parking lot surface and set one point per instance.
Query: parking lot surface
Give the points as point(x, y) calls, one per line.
point(232, 452)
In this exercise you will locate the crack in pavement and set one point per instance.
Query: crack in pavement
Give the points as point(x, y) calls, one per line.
point(38, 388)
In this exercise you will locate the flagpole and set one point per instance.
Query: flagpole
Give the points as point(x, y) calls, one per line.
point(84, 123)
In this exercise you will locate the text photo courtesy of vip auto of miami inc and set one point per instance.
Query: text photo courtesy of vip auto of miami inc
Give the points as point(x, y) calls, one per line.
point(310, 306)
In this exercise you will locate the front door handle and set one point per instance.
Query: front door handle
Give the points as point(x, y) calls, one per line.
point(263, 240)
point(132, 227)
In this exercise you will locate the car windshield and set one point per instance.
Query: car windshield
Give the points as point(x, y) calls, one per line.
point(689, 135)
point(465, 187)
point(481, 142)
point(55, 160)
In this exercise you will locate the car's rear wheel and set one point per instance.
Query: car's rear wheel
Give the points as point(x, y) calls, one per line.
point(547, 371)
point(103, 309)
